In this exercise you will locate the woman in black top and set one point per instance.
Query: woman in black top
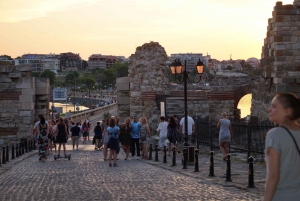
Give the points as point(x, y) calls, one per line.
point(62, 135)
point(125, 136)
point(98, 135)
point(173, 134)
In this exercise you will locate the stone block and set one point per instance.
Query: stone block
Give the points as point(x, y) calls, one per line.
point(27, 91)
point(42, 82)
point(27, 106)
point(14, 75)
point(7, 69)
point(278, 18)
point(123, 100)
point(27, 98)
point(280, 47)
point(5, 80)
point(295, 88)
point(293, 74)
point(26, 113)
point(280, 58)
point(288, 80)
point(283, 88)
point(287, 39)
point(287, 53)
point(41, 90)
point(277, 80)
point(123, 86)
point(288, 68)
point(123, 80)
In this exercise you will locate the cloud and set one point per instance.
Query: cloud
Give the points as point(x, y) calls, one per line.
point(20, 10)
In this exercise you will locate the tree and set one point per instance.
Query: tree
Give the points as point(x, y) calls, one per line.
point(70, 77)
point(229, 67)
point(88, 81)
point(35, 74)
point(7, 56)
point(84, 64)
point(121, 69)
point(49, 74)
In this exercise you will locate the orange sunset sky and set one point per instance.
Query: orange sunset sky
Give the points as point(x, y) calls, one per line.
point(117, 27)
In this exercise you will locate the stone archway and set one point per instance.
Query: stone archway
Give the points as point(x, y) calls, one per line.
point(240, 92)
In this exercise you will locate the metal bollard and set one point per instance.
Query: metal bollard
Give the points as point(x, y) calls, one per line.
point(26, 146)
point(251, 174)
point(12, 151)
point(7, 153)
point(211, 167)
point(196, 160)
point(228, 169)
point(3, 155)
point(23, 147)
point(29, 145)
point(184, 159)
point(20, 149)
point(156, 153)
point(17, 150)
point(174, 157)
point(150, 152)
point(165, 155)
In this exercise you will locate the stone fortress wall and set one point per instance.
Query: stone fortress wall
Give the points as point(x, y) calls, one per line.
point(22, 98)
point(280, 58)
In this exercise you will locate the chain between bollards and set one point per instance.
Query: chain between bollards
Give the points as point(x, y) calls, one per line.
point(174, 156)
point(150, 152)
point(165, 155)
point(211, 166)
point(156, 153)
point(196, 160)
point(184, 158)
point(251, 173)
point(228, 169)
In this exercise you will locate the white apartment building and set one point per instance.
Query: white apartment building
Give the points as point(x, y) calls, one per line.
point(40, 62)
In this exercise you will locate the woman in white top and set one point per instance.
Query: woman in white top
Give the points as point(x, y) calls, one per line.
point(225, 134)
point(282, 149)
point(163, 131)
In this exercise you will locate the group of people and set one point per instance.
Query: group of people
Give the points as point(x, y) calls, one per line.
point(58, 131)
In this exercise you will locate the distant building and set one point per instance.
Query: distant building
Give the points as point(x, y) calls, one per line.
point(191, 59)
point(70, 61)
point(6, 59)
point(39, 62)
point(103, 61)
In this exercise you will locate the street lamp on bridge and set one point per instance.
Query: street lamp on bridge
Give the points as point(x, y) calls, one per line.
point(181, 76)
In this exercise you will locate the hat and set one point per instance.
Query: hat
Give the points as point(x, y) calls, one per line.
point(134, 115)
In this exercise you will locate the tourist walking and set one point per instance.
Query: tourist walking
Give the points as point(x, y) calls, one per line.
point(163, 130)
point(190, 127)
point(54, 134)
point(105, 137)
point(173, 134)
point(85, 132)
point(144, 135)
point(125, 136)
point(43, 131)
point(75, 130)
point(62, 135)
point(135, 136)
point(52, 129)
point(98, 136)
point(113, 142)
point(282, 152)
point(225, 134)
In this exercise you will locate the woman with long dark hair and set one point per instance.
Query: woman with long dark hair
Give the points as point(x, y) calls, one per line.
point(43, 131)
point(62, 135)
point(125, 136)
point(173, 133)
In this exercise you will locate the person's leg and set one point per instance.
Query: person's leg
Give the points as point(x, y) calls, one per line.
point(110, 156)
point(115, 156)
point(169, 148)
point(137, 142)
point(64, 146)
point(222, 149)
point(59, 145)
point(226, 147)
point(105, 150)
point(161, 144)
point(73, 142)
point(96, 144)
point(145, 150)
point(190, 139)
point(127, 151)
point(132, 147)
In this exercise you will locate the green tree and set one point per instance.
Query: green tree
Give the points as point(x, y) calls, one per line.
point(84, 64)
point(88, 81)
point(35, 74)
point(121, 69)
point(49, 74)
point(70, 77)
point(229, 67)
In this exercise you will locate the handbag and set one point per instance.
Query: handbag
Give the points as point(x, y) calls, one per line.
point(289, 132)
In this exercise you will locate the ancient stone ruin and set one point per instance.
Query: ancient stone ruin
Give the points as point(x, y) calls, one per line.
point(280, 58)
point(22, 98)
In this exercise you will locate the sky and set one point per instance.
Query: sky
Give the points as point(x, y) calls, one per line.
point(117, 27)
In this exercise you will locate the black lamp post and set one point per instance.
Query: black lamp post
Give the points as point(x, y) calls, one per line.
point(181, 75)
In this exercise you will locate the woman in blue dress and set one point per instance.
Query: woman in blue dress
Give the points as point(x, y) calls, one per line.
point(225, 134)
point(113, 143)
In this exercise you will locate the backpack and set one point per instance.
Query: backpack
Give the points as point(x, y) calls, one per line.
point(84, 129)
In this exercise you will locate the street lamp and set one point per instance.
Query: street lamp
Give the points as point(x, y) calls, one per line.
point(181, 75)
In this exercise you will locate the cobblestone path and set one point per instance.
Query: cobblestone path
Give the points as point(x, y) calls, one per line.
point(87, 177)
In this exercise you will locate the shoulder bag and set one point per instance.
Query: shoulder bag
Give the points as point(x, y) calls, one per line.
point(292, 138)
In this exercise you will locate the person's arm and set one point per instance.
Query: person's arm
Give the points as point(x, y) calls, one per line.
point(193, 129)
point(66, 130)
point(148, 131)
point(273, 173)
point(219, 124)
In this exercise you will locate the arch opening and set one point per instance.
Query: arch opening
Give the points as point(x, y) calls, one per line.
point(245, 105)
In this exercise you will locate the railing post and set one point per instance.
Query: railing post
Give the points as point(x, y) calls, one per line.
point(196, 160)
point(20, 149)
point(7, 153)
point(17, 150)
point(251, 173)
point(150, 152)
point(3, 155)
point(174, 157)
point(184, 159)
point(228, 169)
point(156, 153)
point(165, 155)
point(211, 166)
point(26, 146)
point(248, 142)
point(12, 151)
point(23, 147)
